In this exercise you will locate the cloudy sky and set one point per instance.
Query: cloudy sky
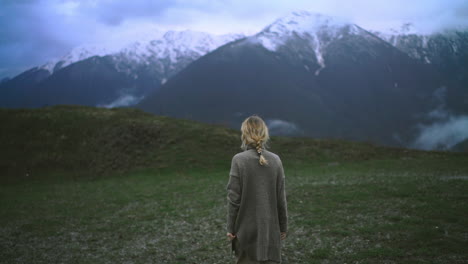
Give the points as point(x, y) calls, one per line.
point(34, 31)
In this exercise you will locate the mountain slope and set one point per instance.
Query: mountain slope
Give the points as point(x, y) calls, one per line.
point(461, 146)
point(329, 78)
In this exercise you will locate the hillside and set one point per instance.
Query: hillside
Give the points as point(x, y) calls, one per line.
point(461, 146)
point(98, 140)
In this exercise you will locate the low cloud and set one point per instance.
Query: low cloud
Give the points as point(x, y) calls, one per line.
point(444, 129)
point(442, 135)
point(278, 127)
point(125, 100)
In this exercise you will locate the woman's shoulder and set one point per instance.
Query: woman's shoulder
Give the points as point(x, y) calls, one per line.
point(271, 155)
point(239, 156)
point(249, 154)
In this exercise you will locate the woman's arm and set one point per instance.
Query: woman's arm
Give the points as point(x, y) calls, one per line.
point(282, 203)
point(234, 190)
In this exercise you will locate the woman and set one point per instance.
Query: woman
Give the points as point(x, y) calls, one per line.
point(257, 215)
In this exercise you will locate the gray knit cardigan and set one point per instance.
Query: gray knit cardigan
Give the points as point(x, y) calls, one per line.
point(257, 208)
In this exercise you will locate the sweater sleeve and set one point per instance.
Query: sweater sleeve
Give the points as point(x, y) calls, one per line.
point(282, 203)
point(234, 192)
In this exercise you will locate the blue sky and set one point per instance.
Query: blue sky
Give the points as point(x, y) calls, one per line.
point(33, 31)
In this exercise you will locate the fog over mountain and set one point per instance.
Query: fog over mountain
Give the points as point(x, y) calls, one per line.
point(441, 129)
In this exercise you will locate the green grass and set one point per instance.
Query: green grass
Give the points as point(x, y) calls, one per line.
point(348, 202)
point(378, 211)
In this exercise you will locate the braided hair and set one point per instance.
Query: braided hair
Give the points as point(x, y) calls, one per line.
point(255, 134)
point(259, 148)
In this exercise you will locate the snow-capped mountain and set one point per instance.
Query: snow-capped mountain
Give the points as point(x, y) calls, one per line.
point(110, 74)
point(407, 39)
point(170, 53)
point(315, 31)
point(426, 47)
point(319, 29)
point(307, 73)
point(77, 54)
point(322, 76)
point(303, 33)
point(446, 50)
point(173, 46)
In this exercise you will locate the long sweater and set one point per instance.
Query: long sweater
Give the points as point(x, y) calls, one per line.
point(257, 207)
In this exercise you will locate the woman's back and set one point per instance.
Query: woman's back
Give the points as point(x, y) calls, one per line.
point(257, 200)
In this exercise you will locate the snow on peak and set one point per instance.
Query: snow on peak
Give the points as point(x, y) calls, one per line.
point(303, 21)
point(405, 29)
point(198, 41)
point(304, 24)
point(171, 45)
point(395, 35)
point(408, 38)
point(79, 53)
point(319, 30)
point(176, 45)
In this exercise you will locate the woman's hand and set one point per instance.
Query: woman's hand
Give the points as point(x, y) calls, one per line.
point(283, 235)
point(230, 236)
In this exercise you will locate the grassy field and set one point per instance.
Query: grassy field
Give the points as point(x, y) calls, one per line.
point(348, 202)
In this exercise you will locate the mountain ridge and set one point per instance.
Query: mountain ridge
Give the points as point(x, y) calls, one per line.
point(141, 66)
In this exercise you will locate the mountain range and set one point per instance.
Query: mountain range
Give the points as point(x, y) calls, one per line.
point(307, 74)
point(109, 74)
point(313, 75)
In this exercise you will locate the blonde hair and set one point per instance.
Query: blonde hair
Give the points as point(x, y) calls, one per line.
point(255, 133)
